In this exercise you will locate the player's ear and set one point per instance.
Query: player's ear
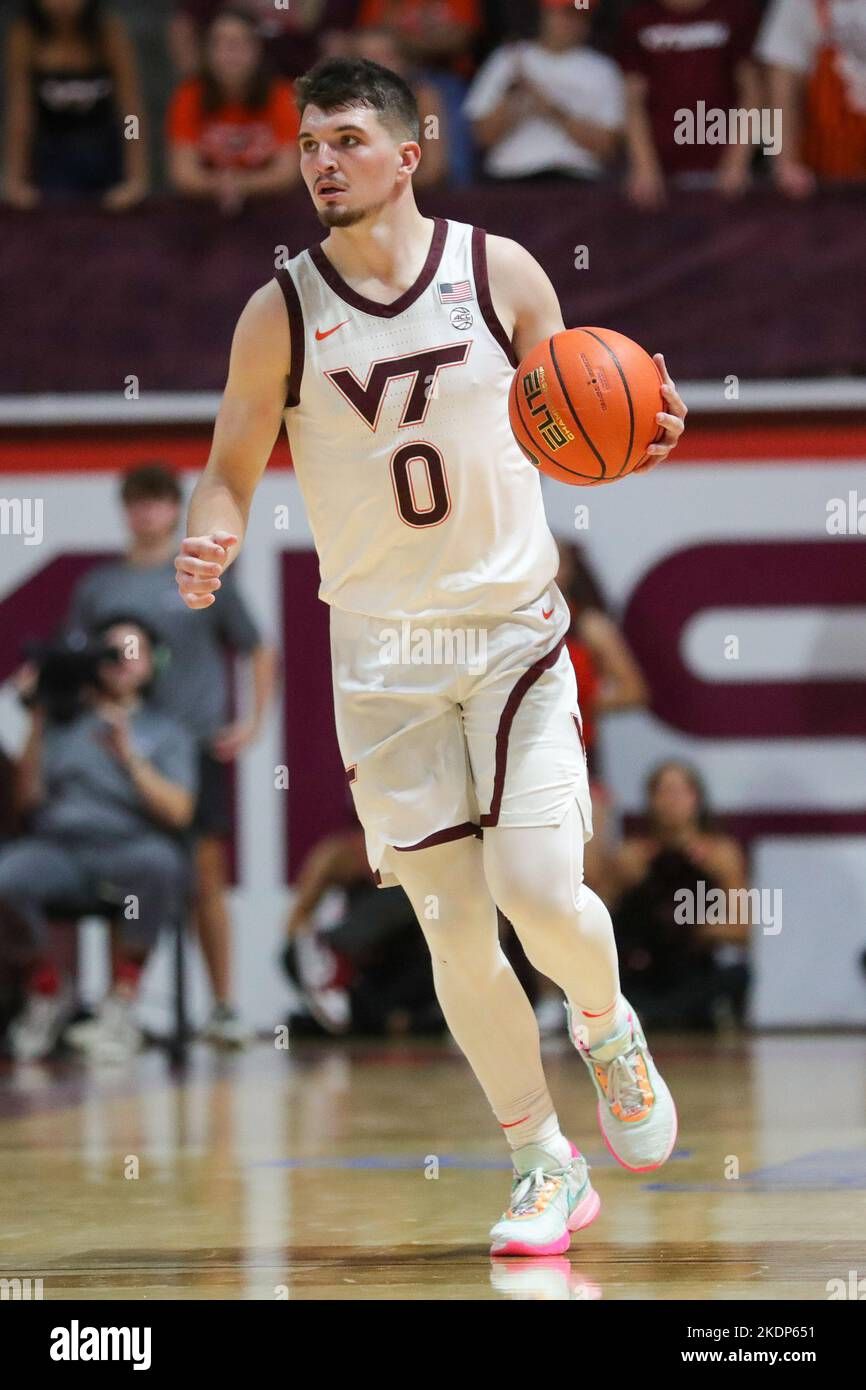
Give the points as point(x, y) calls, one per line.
point(410, 156)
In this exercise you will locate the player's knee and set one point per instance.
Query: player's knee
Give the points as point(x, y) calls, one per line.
point(456, 932)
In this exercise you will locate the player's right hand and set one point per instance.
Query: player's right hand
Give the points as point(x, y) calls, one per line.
point(199, 565)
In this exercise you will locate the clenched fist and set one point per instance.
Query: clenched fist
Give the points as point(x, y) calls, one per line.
point(199, 565)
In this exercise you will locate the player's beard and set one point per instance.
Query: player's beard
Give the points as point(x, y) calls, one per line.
point(347, 217)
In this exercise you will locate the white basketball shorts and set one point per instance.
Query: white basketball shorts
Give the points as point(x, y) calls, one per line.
point(446, 726)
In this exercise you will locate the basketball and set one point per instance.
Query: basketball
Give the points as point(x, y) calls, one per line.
point(583, 404)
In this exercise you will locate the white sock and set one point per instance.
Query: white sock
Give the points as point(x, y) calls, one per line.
point(595, 1026)
point(547, 1137)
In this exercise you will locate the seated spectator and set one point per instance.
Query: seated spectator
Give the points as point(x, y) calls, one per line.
point(71, 84)
point(677, 970)
point(295, 35)
point(370, 972)
point(676, 53)
point(232, 132)
point(436, 34)
point(550, 107)
point(193, 687)
point(608, 679)
point(382, 46)
point(107, 784)
point(816, 54)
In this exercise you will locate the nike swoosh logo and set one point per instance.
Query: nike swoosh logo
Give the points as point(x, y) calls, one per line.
point(546, 612)
point(328, 331)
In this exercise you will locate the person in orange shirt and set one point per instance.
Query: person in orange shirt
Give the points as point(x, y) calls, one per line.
point(815, 55)
point(232, 131)
point(433, 33)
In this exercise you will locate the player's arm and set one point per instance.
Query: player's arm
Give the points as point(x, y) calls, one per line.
point(528, 308)
point(246, 429)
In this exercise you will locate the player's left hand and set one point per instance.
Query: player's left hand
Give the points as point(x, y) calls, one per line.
point(672, 421)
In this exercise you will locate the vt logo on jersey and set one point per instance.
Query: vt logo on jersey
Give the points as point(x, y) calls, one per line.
point(366, 398)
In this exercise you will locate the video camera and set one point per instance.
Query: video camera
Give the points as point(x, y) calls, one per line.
point(67, 667)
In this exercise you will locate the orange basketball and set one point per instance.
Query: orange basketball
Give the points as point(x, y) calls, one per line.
point(583, 404)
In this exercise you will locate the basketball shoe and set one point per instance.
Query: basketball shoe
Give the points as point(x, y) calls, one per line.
point(547, 1204)
point(636, 1111)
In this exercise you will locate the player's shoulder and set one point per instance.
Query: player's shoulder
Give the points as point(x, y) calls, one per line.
point(514, 274)
point(265, 310)
point(507, 255)
point(262, 341)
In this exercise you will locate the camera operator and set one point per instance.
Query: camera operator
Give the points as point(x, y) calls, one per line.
point(107, 786)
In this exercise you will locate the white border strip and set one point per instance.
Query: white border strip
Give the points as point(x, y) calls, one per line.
point(200, 407)
point(157, 408)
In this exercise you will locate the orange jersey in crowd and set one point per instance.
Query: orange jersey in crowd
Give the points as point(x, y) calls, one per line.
point(234, 136)
point(834, 136)
point(405, 18)
point(587, 685)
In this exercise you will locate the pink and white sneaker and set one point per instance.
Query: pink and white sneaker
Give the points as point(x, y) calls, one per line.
point(547, 1204)
point(636, 1112)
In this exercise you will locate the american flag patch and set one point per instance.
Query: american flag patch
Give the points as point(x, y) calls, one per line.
point(453, 294)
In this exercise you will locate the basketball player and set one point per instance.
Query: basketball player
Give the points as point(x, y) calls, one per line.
point(389, 350)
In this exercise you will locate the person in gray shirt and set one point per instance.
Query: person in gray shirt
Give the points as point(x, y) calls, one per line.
point(193, 687)
point(107, 795)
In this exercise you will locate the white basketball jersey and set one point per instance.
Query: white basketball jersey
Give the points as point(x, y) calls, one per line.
point(419, 499)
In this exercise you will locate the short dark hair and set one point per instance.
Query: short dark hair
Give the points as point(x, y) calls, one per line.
point(159, 652)
point(149, 480)
point(337, 82)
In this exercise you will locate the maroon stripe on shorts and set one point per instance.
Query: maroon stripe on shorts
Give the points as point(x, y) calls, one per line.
point(441, 837)
point(485, 299)
point(352, 772)
point(506, 719)
point(296, 334)
point(579, 735)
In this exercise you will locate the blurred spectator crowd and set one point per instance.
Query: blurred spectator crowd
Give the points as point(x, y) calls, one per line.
point(111, 101)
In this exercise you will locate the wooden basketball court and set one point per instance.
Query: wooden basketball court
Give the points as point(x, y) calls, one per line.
point(373, 1171)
